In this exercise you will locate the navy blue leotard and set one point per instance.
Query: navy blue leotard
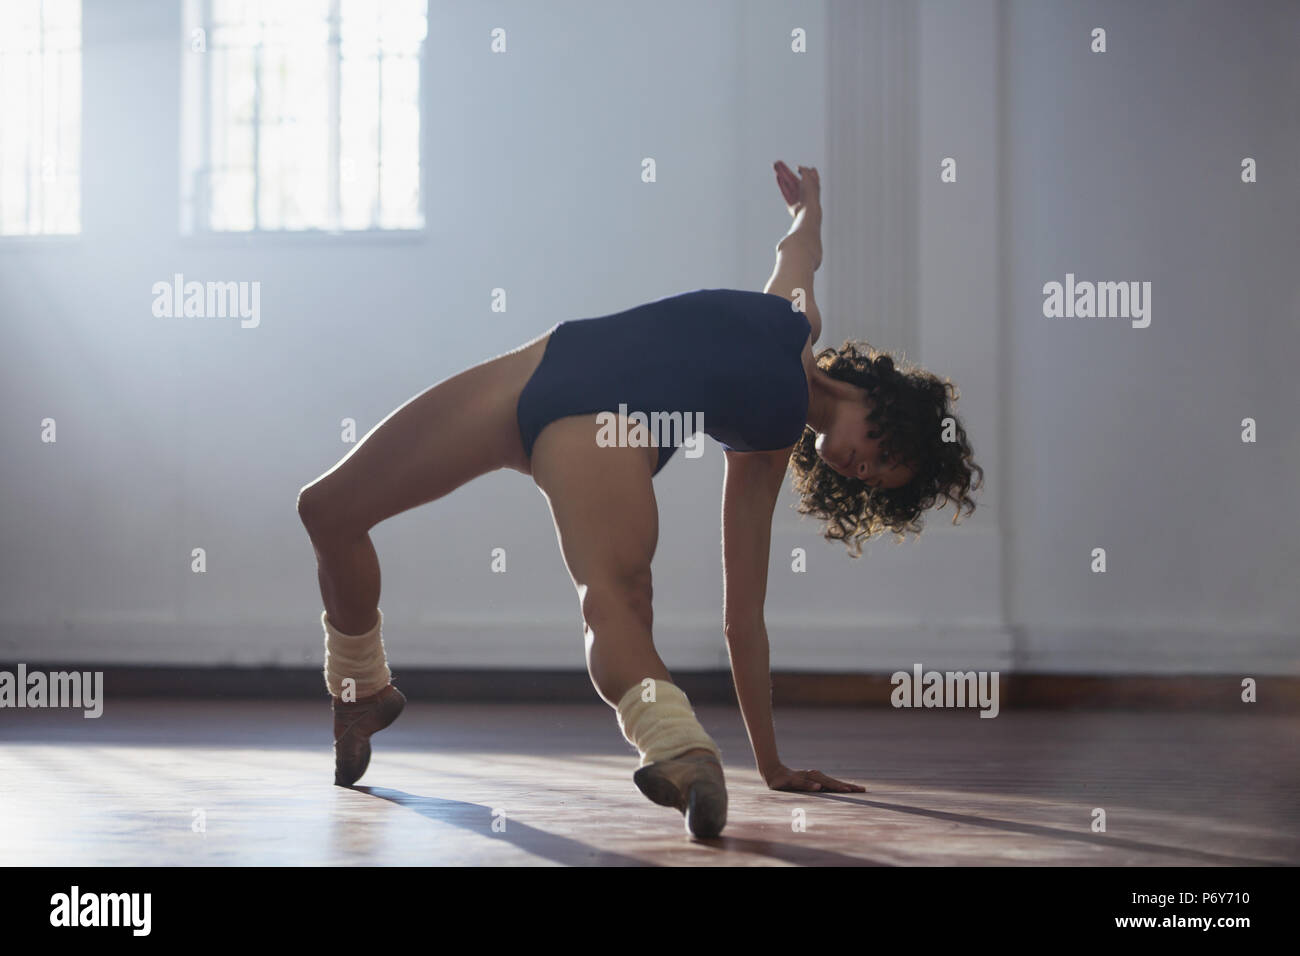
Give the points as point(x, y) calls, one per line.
point(732, 356)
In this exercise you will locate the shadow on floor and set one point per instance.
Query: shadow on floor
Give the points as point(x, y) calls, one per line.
point(1033, 829)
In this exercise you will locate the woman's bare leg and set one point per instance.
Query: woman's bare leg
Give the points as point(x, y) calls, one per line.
point(456, 430)
point(607, 523)
point(452, 432)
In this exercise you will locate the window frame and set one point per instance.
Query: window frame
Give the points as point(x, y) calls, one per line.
point(43, 238)
point(195, 210)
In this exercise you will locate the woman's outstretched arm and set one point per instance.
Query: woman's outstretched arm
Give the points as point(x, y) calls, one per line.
point(750, 488)
point(799, 253)
point(803, 200)
point(752, 484)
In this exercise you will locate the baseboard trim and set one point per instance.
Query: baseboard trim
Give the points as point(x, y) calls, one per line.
point(1276, 694)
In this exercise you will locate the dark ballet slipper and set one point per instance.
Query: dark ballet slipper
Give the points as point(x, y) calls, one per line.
point(693, 784)
point(354, 723)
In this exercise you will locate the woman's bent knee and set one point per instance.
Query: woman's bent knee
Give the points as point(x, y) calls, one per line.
point(615, 599)
point(322, 514)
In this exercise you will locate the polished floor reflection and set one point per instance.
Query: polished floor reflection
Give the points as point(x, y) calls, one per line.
point(249, 783)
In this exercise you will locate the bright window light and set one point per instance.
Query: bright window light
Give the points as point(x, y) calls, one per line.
point(40, 117)
point(302, 115)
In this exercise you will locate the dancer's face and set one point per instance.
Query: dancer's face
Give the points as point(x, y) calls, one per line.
point(852, 446)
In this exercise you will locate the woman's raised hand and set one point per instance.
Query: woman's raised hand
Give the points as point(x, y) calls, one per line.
point(797, 190)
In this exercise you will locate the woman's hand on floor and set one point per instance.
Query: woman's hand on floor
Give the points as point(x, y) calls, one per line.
point(813, 781)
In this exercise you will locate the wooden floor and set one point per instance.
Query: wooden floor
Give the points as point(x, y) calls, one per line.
point(943, 788)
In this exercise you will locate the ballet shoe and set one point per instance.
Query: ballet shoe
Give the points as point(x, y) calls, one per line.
point(354, 722)
point(693, 784)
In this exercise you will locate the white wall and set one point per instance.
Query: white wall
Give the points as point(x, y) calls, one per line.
point(175, 434)
point(1126, 165)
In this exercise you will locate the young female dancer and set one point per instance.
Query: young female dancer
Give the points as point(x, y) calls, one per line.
point(873, 445)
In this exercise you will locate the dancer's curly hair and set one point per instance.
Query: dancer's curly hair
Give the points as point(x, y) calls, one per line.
point(911, 407)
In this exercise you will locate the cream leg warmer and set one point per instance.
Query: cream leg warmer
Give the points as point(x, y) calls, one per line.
point(358, 656)
point(664, 727)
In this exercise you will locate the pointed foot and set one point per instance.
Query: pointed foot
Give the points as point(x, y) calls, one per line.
point(353, 725)
point(693, 784)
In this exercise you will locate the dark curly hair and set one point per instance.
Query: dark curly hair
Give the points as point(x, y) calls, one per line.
point(911, 408)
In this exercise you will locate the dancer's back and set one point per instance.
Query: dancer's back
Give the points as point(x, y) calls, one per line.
point(730, 356)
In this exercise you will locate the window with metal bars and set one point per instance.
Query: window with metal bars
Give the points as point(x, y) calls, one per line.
point(302, 115)
point(40, 117)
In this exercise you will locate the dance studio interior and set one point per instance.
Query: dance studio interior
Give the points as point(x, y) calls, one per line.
point(236, 237)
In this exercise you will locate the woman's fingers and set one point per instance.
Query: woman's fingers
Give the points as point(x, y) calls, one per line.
point(830, 783)
point(814, 781)
point(806, 782)
point(806, 185)
point(809, 183)
point(788, 184)
point(799, 781)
